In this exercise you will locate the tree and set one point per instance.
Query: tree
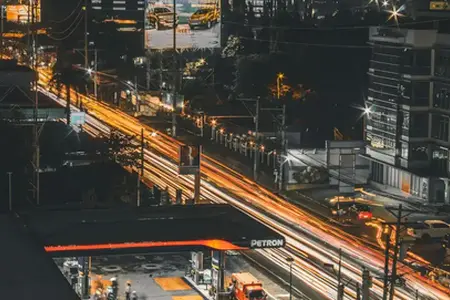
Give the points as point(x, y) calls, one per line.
point(64, 76)
point(120, 149)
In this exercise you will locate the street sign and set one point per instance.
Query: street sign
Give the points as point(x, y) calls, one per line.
point(78, 118)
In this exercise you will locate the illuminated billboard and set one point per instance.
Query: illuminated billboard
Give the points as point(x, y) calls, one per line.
point(197, 24)
point(19, 13)
point(189, 160)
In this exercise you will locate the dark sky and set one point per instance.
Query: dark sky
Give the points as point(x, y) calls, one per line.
point(57, 10)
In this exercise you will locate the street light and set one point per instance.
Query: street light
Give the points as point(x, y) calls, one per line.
point(280, 77)
point(366, 115)
point(89, 71)
point(290, 260)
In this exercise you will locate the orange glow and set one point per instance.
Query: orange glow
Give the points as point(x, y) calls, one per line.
point(19, 13)
point(13, 35)
point(213, 244)
point(128, 22)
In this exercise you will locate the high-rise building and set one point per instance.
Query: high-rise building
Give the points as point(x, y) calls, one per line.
point(408, 110)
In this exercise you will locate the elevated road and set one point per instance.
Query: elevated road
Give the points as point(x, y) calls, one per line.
point(312, 242)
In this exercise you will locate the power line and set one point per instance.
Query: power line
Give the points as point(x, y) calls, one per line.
point(68, 27)
point(331, 28)
point(69, 34)
point(70, 15)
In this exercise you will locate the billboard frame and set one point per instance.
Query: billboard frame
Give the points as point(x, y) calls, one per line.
point(189, 160)
point(174, 43)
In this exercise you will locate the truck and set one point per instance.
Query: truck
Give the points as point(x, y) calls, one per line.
point(247, 287)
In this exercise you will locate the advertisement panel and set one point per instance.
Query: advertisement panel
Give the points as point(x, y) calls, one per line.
point(19, 13)
point(189, 160)
point(167, 100)
point(197, 24)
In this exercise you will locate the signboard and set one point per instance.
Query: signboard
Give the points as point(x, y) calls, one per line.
point(197, 22)
point(215, 258)
point(77, 118)
point(276, 243)
point(19, 13)
point(439, 5)
point(167, 100)
point(189, 160)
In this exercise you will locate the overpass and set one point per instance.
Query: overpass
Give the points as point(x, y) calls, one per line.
point(36, 236)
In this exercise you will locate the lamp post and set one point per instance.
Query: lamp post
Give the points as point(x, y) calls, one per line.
point(366, 115)
point(280, 77)
point(290, 260)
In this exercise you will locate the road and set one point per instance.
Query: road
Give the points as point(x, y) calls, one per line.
point(310, 241)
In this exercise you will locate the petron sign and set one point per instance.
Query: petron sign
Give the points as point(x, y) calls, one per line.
point(267, 243)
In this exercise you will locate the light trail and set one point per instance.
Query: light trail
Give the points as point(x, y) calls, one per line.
point(304, 232)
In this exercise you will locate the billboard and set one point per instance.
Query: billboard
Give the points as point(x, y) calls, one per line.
point(197, 22)
point(167, 100)
point(18, 13)
point(189, 160)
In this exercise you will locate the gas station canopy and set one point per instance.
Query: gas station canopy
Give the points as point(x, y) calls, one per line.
point(143, 230)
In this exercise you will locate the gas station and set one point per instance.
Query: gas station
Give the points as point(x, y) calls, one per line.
point(138, 231)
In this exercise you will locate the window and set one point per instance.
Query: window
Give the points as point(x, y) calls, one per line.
point(439, 127)
point(439, 225)
point(441, 97)
point(420, 93)
point(405, 150)
point(376, 173)
point(419, 153)
point(419, 125)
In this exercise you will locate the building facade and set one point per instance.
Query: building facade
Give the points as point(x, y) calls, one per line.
point(407, 112)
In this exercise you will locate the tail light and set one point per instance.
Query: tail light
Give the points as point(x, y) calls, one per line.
point(364, 215)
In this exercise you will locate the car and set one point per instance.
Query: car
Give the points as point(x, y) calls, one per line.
point(161, 17)
point(204, 17)
point(429, 229)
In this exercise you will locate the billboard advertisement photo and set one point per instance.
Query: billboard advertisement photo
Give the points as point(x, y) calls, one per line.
point(189, 160)
point(197, 24)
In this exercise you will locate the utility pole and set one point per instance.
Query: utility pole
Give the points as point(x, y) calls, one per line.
point(395, 258)
point(197, 177)
point(36, 146)
point(175, 70)
point(255, 157)
point(366, 284)
point(148, 69)
point(86, 42)
point(140, 170)
point(340, 285)
point(386, 265)
point(10, 190)
point(95, 74)
point(1, 29)
point(283, 146)
point(136, 92)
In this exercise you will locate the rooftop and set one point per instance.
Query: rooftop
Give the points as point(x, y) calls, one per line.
point(28, 270)
point(145, 229)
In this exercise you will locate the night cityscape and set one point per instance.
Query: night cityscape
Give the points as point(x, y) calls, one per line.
point(225, 149)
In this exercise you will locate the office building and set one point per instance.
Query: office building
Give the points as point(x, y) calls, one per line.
point(408, 110)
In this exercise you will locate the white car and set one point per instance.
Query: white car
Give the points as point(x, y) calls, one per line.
point(429, 229)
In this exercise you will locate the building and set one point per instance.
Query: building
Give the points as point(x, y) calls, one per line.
point(128, 13)
point(407, 112)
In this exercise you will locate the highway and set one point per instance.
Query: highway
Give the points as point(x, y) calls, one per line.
point(310, 241)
